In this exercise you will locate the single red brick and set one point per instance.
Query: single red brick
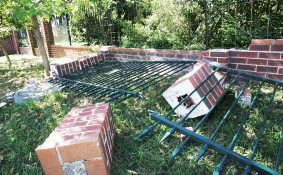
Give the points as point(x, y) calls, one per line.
point(267, 69)
point(212, 59)
point(197, 78)
point(193, 81)
point(68, 120)
point(211, 99)
point(257, 61)
point(96, 167)
point(222, 60)
point(270, 55)
point(200, 92)
point(207, 103)
point(205, 53)
point(200, 73)
point(90, 134)
point(80, 149)
point(248, 54)
point(218, 91)
point(232, 66)
point(49, 160)
point(72, 136)
point(69, 125)
point(81, 114)
point(246, 67)
point(275, 63)
point(278, 41)
point(237, 60)
point(275, 76)
point(259, 47)
point(219, 54)
point(277, 47)
point(96, 121)
point(74, 130)
point(262, 41)
point(280, 71)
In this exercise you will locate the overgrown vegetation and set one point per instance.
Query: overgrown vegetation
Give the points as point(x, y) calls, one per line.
point(24, 127)
point(182, 24)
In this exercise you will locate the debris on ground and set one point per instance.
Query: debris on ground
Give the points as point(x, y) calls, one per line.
point(246, 96)
point(183, 137)
point(2, 104)
point(33, 91)
point(206, 95)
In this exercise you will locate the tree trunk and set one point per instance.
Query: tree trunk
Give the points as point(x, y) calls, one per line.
point(5, 53)
point(40, 42)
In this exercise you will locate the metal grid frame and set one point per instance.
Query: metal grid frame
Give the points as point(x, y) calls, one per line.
point(114, 80)
point(208, 143)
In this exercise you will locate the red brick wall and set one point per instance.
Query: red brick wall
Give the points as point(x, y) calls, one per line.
point(127, 54)
point(26, 50)
point(65, 68)
point(85, 137)
point(264, 58)
point(68, 51)
point(8, 45)
point(265, 63)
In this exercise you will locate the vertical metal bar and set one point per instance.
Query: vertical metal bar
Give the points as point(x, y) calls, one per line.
point(219, 167)
point(167, 71)
point(181, 146)
point(150, 128)
point(279, 152)
point(138, 79)
point(247, 168)
point(217, 147)
point(205, 147)
point(172, 130)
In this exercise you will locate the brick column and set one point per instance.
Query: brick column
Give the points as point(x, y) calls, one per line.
point(82, 143)
point(31, 41)
point(47, 35)
point(16, 42)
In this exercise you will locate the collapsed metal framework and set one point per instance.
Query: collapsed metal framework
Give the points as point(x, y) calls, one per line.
point(120, 80)
point(208, 143)
point(113, 80)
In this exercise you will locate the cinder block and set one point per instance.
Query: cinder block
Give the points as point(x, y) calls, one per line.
point(82, 143)
point(186, 84)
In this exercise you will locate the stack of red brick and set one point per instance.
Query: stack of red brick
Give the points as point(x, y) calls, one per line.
point(186, 84)
point(82, 143)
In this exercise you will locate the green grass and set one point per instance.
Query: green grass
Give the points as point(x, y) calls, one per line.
point(24, 127)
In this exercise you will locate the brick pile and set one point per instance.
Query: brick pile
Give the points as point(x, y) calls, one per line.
point(81, 144)
point(186, 84)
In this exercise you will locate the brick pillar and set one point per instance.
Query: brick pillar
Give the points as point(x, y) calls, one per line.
point(83, 143)
point(47, 35)
point(31, 41)
point(16, 42)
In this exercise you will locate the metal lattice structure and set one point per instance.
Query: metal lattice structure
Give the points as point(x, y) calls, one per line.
point(119, 80)
point(209, 143)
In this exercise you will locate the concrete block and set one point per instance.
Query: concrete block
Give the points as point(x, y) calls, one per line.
point(246, 96)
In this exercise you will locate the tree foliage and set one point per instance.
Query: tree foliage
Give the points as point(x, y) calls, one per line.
point(25, 11)
point(179, 24)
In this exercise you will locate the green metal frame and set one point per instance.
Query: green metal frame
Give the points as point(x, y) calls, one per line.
point(113, 80)
point(208, 143)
